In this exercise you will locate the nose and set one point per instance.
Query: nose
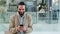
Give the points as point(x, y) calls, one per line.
point(21, 10)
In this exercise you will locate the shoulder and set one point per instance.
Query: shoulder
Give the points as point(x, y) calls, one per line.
point(13, 16)
point(29, 16)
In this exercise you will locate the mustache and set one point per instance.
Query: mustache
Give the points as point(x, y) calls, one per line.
point(21, 12)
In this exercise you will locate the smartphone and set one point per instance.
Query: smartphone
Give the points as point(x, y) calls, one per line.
point(21, 25)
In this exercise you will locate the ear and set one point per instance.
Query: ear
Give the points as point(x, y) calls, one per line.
point(17, 6)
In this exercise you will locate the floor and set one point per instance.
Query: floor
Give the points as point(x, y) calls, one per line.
point(37, 28)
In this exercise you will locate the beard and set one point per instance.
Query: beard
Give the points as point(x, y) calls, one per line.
point(21, 13)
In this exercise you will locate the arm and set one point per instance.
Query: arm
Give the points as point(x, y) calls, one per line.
point(12, 28)
point(29, 29)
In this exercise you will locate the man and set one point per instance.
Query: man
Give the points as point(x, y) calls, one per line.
point(20, 23)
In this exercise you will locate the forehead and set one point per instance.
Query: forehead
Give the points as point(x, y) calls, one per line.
point(21, 6)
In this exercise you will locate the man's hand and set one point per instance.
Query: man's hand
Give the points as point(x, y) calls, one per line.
point(21, 28)
point(24, 29)
point(18, 28)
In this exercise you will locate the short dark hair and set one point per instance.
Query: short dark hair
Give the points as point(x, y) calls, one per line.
point(20, 3)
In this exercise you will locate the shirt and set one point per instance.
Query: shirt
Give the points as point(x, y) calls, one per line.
point(21, 23)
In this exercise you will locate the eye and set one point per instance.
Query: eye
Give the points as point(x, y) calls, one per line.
point(19, 9)
point(22, 9)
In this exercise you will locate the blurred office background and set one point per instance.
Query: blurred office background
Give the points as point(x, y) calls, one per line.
point(45, 14)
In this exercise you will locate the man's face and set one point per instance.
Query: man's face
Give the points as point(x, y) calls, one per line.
point(21, 9)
